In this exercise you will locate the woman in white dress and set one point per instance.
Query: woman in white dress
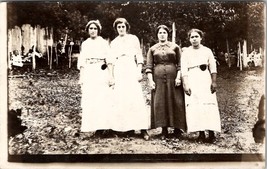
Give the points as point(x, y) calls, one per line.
point(130, 110)
point(198, 68)
point(94, 81)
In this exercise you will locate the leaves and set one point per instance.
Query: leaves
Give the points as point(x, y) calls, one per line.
point(220, 20)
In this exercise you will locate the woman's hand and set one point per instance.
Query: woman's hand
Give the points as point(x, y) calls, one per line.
point(186, 87)
point(139, 77)
point(111, 82)
point(152, 84)
point(178, 82)
point(187, 90)
point(213, 87)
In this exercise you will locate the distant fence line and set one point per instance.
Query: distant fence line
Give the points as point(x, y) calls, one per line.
point(26, 37)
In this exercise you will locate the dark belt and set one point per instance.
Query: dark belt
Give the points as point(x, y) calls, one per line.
point(168, 63)
point(94, 60)
point(202, 67)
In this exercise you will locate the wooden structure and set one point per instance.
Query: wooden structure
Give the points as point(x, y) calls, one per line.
point(27, 37)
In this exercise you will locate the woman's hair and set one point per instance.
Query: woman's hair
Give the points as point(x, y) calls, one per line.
point(97, 24)
point(201, 34)
point(163, 27)
point(121, 20)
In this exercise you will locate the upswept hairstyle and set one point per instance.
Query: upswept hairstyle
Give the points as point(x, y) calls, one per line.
point(200, 32)
point(121, 20)
point(163, 27)
point(97, 24)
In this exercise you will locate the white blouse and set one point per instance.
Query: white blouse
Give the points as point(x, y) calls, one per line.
point(93, 48)
point(127, 45)
point(194, 57)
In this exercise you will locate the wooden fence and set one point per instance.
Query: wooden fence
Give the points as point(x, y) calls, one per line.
point(27, 37)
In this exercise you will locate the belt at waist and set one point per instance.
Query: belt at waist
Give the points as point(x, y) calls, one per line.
point(202, 67)
point(123, 55)
point(94, 60)
point(165, 63)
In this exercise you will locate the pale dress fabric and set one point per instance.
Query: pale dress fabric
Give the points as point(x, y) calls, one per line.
point(96, 99)
point(130, 111)
point(202, 111)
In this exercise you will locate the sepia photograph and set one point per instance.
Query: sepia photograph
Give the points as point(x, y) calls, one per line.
point(134, 81)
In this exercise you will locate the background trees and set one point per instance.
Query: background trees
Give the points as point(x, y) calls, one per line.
point(234, 21)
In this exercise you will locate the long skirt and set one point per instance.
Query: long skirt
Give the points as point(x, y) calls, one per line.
point(130, 111)
point(97, 98)
point(167, 105)
point(202, 112)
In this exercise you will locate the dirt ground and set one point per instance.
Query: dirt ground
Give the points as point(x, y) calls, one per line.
point(50, 103)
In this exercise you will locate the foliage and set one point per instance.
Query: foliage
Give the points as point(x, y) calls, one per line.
point(220, 20)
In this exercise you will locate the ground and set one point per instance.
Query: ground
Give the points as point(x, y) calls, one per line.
point(50, 103)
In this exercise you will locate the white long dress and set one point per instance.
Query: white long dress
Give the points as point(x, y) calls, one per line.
point(202, 112)
point(130, 111)
point(96, 94)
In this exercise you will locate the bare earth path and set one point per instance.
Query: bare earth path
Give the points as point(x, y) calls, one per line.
point(50, 103)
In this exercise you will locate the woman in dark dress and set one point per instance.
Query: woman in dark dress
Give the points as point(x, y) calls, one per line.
point(163, 72)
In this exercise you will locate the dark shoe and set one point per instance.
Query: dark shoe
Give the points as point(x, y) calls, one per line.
point(98, 134)
point(162, 136)
point(164, 133)
point(145, 135)
point(201, 138)
point(177, 133)
point(130, 133)
point(109, 134)
point(211, 139)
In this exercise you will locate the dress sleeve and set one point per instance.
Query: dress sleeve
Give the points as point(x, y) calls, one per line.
point(106, 52)
point(138, 51)
point(81, 59)
point(149, 61)
point(212, 62)
point(178, 57)
point(112, 52)
point(184, 64)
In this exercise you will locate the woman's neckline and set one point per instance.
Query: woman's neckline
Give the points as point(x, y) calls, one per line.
point(163, 43)
point(199, 46)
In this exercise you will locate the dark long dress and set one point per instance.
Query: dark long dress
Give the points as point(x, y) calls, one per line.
point(167, 101)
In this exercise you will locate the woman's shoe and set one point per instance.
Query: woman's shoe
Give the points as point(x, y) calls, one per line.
point(201, 138)
point(145, 135)
point(177, 133)
point(164, 133)
point(130, 133)
point(211, 139)
point(98, 134)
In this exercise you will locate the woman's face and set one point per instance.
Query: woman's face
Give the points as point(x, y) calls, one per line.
point(121, 28)
point(195, 39)
point(162, 35)
point(93, 31)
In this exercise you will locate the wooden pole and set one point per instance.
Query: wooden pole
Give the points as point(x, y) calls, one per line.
point(239, 56)
point(34, 48)
point(69, 54)
point(9, 53)
point(47, 49)
point(228, 51)
point(173, 32)
point(245, 53)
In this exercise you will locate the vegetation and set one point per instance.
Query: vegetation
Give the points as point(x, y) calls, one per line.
point(220, 20)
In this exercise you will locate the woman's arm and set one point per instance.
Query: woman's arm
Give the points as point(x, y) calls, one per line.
point(213, 71)
point(80, 63)
point(178, 59)
point(184, 73)
point(149, 67)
